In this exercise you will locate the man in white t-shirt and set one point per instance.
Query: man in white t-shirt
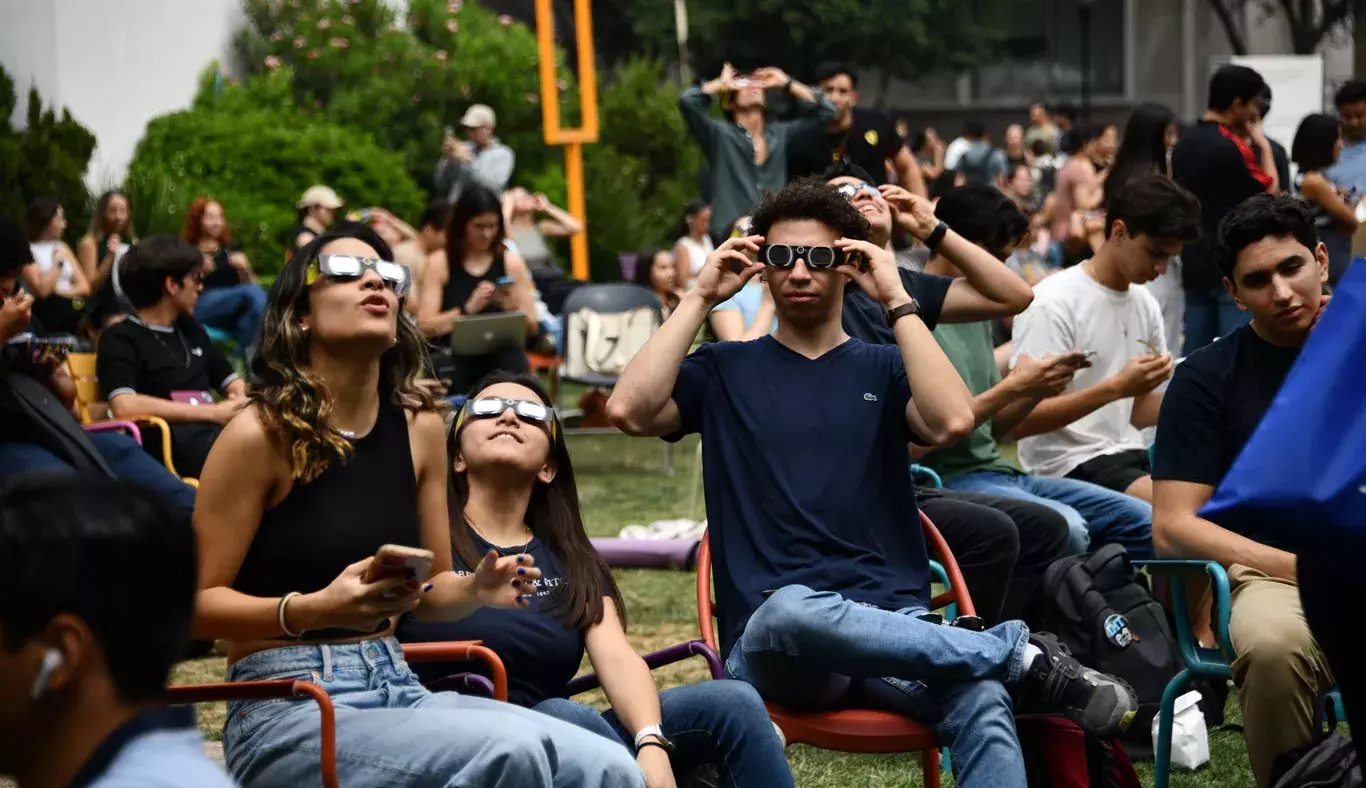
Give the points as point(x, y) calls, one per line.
point(1091, 431)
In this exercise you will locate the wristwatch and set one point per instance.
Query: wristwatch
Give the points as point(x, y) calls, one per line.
point(936, 237)
point(912, 307)
point(653, 736)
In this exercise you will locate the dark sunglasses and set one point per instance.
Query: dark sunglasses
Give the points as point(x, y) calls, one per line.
point(528, 411)
point(345, 267)
point(786, 256)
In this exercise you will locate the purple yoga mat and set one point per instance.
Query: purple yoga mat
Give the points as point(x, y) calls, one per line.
point(648, 553)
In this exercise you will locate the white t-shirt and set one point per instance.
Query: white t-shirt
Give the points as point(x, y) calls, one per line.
point(697, 254)
point(1072, 311)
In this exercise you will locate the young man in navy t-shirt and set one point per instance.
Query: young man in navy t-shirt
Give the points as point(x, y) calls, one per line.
point(821, 570)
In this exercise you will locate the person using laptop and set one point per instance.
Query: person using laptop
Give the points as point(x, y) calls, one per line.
point(476, 276)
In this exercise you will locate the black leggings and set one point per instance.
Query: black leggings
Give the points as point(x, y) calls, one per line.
point(1003, 546)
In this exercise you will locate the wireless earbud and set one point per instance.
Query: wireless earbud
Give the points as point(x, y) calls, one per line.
point(52, 660)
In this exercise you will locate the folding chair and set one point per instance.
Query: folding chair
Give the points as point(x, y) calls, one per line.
point(855, 730)
point(605, 299)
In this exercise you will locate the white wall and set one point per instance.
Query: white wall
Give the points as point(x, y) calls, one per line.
point(114, 63)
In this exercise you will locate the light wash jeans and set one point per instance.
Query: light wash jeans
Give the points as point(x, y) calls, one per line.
point(810, 649)
point(236, 309)
point(712, 722)
point(1095, 515)
point(391, 731)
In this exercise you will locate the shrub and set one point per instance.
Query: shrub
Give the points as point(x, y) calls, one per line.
point(258, 160)
point(48, 157)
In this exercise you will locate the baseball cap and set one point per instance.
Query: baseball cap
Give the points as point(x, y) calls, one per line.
point(478, 116)
point(322, 196)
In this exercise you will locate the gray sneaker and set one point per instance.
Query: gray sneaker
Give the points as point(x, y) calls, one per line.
point(1101, 705)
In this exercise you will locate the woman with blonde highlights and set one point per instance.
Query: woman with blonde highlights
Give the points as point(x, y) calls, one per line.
point(340, 453)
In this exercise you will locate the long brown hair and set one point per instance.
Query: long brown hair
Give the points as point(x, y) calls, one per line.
point(554, 516)
point(294, 403)
point(98, 229)
point(473, 201)
point(193, 231)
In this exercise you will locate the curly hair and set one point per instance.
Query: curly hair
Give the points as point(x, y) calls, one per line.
point(812, 199)
point(193, 231)
point(293, 402)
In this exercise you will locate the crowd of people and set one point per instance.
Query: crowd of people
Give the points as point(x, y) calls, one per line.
point(869, 297)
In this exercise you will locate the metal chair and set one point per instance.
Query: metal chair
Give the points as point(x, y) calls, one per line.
point(855, 730)
point(612, 298)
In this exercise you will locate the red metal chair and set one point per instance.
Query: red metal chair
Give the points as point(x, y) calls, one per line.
point(854, 730)
point(284, 688)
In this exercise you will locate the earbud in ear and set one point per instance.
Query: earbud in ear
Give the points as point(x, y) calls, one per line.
point(52, 660)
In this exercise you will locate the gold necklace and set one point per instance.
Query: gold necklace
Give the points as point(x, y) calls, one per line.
point(530, 536)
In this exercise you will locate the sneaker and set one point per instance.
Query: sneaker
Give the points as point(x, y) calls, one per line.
point(1101, 705)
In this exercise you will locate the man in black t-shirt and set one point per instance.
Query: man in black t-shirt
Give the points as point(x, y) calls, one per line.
point(160, 362)
point(866, 138)
point(1274, 268)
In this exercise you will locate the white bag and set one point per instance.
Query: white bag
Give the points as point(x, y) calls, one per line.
point(603, 343)
point(1190, 737)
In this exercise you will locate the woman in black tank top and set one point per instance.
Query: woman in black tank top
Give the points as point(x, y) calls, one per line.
point(478, 276)
point(339, 453)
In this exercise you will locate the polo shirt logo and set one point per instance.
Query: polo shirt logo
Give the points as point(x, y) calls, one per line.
point(198, 351)
point(870, 397)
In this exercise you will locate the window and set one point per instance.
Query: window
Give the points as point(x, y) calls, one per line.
point(1039, 52)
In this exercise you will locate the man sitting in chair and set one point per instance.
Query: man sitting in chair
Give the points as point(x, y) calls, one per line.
point(822, 577)
point(1274, 267)
point(160, 361)
point(38, 429)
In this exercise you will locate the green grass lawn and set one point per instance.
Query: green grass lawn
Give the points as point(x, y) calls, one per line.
point(621, 481)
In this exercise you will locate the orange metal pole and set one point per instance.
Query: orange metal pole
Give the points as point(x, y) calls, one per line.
point(572, 139)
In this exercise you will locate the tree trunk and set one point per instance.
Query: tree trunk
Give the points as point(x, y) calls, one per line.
point(1231, 30)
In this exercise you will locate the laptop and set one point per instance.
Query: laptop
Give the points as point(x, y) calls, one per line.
point(479, 335)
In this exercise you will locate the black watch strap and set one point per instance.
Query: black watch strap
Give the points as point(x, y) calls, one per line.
point(910, 308)
point(936, 237)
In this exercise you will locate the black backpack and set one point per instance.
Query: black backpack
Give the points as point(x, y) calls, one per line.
point(1102, 611)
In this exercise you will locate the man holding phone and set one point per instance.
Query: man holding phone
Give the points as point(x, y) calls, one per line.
point(481, 159)
point(1090, 431)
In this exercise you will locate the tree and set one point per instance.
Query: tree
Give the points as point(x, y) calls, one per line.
point(46, 157)
point(1309, 21)
point(899, 38)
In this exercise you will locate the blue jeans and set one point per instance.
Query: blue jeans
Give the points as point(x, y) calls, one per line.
point(1095, 515)
point(392, 731)
point(715, 722)
point(123, 454)
point(1209, 315)
point(236, 309)
point(812, 649)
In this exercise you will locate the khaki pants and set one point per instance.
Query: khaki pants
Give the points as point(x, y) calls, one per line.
point(1280, 670)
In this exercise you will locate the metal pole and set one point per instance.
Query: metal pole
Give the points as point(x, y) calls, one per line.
point(681, 24)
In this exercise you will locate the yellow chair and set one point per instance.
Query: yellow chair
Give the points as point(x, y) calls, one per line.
point(93, 409)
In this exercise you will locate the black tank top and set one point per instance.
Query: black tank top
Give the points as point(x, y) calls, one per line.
point(223, 274)
point(339, 518)
point(460, 286)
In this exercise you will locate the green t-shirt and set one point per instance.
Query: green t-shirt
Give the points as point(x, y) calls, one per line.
point(968, 346)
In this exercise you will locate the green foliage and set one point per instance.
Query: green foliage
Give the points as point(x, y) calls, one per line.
point(258, 160)
point(903, 38)
point(643, 170)
point(354, 64)
point(48, 157)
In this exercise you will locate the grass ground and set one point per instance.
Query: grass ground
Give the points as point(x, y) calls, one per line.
point(621, 482)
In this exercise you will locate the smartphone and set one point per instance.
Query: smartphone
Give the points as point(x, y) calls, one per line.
point(741, 82)
point(394, 560)
point(1090, 354)
point(505, 281)
point(450, 131)
point(192, 397)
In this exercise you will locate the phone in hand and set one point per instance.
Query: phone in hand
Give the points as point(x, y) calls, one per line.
point(505, 281)
point(193, 397)
point(395, 560)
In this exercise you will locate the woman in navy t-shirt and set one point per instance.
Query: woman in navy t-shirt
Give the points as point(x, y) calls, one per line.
point(512, 492)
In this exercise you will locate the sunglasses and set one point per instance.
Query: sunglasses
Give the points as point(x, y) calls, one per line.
point(345, 267)
point(852, 190)
point(528, 411)
point(785, 256)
